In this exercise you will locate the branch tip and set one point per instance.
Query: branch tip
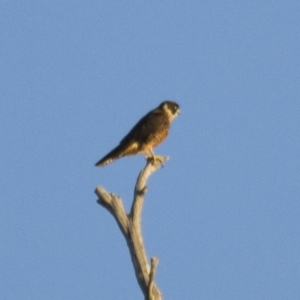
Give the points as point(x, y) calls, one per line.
point(154, 263)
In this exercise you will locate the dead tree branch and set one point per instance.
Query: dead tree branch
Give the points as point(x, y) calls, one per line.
point(130, 226)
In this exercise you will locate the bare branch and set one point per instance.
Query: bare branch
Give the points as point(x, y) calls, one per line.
point(130, 226)
point(115, 206)
point(141, 189)
point(154, 263)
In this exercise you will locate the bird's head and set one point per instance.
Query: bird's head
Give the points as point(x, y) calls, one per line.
point(171, 108)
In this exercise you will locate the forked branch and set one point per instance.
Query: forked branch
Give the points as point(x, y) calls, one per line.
point(130, 226)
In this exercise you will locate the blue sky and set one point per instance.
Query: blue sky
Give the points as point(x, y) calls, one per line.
point(223, 215)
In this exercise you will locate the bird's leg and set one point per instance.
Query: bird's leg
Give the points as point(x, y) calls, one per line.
point(154, 158)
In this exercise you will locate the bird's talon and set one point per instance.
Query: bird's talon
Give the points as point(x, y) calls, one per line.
point(155, 159)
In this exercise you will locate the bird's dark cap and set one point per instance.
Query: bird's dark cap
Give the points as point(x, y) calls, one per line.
point(169, 103)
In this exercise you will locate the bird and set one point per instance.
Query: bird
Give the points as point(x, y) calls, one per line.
point(149, 131)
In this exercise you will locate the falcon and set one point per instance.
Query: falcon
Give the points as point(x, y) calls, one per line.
point(149, 132)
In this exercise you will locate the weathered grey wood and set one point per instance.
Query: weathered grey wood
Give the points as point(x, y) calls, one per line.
point(130, 226)
point(151, 291)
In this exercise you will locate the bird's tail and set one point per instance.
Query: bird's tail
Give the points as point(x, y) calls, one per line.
point(120, 151)
point(110, 157)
